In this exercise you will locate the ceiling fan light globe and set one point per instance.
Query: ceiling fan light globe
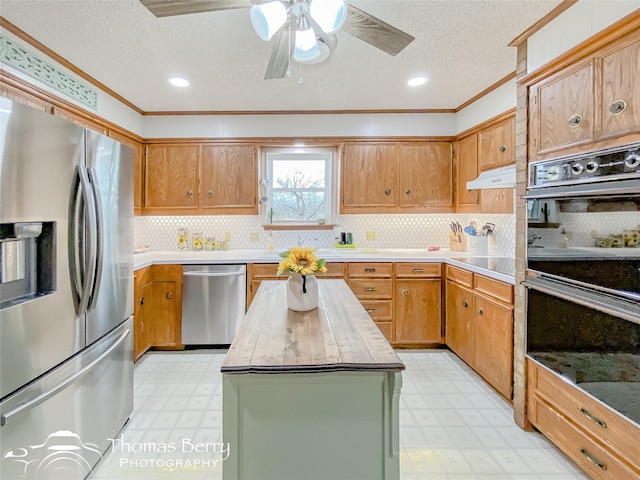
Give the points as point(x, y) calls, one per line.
point(306, 47)
point(328, 14)
point(268, 18)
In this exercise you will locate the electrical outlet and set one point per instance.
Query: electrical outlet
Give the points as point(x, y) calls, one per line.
point(227, 236)
point(254, 237)
point(371, 235)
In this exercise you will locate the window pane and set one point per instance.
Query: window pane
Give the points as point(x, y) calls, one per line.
point(300, 205)
point(298, 174)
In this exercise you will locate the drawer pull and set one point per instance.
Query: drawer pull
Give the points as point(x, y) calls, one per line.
point(418, 269)
point(593, 459)
point(370, 289)
point(592, 417)
point(169, 295)
point(465, 304)
point(369, 270)
point(369, 310)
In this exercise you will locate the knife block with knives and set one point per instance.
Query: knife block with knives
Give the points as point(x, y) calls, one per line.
point(457, 239)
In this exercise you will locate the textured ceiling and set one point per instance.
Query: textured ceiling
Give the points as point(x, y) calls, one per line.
point(460, 44)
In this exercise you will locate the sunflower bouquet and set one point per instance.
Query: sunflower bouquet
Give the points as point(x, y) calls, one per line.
point(301, 260)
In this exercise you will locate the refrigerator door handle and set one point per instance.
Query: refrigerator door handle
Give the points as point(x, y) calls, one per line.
point(98, 236)
point(91, 243)
point(76, 261)
point(21, 409)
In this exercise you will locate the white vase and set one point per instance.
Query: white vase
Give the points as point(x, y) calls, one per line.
point(297, 299)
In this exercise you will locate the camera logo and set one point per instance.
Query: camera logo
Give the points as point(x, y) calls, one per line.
point(62, 456)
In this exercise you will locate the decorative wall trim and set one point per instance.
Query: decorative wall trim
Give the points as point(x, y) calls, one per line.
point(301, 112)
point(542, 22)
point(30, 64)
point(487, 123)
point(486, 91)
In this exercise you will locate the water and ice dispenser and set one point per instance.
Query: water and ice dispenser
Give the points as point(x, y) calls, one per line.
point(27, 261)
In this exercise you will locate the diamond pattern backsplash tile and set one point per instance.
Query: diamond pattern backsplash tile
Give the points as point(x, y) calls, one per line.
point(391, 231)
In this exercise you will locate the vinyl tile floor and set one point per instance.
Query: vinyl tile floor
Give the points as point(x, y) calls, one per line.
point(453, 426)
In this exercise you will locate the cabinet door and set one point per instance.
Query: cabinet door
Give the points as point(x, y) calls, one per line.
point(138, 160)
point(425, 174)
point(459, 321)
point(229, 178)
point(620, 107)
point(142, 321)
point(493, 344)
point(466, 170)
point(166, 318)
point(171, 177)
point(497, 200)
point(418, 311)
point(565, 110)
point(496, 145)
point(369, 177)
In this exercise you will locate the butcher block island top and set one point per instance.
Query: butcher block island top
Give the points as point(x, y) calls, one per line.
point(337, 336)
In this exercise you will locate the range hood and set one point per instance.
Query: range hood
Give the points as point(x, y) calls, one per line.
point(504, 177)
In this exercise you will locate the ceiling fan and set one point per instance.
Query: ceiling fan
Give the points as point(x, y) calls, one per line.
point(312, 23)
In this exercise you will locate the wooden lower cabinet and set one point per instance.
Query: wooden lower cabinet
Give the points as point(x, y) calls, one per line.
point(158, 308)
point(418, 304)
point(599, 440)
point(372, 284)
point(479, 325)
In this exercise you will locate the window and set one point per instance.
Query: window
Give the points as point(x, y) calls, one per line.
point(299, 186)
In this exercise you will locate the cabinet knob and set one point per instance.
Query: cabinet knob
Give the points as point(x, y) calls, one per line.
point(503, 148)
point(190, 193)
point(141, 300)
point(480, 311)
point(465, 304)
point(405, 292)
point(210, 193)
point(575, 120)
point(387, 191)
point(169, 295)
point(407, 191)
point(617, 107)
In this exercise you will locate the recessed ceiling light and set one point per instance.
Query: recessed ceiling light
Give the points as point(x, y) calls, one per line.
point(416, 81)
point(179, 82)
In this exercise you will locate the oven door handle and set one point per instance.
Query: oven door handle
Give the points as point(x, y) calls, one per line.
point(596, 189)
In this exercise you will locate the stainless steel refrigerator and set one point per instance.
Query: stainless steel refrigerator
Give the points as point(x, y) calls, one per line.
point(66, 294)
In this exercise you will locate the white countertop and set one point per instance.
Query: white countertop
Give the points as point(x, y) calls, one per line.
point(494, 266)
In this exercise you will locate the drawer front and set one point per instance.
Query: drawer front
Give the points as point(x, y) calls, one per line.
point(596, 419)
point(371, 288)
point(370, 269)
point(459, 275)
point(378, 310)
point(597, 461)
point(387, 330)
point(270, 270)
point(494, 288)
point(410, 270)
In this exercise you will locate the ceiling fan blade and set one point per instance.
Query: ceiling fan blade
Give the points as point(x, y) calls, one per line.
point(280, 54)
point(170, 8)
point(375, 32)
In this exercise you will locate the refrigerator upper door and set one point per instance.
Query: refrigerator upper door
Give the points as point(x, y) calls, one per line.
point(110, 167)
point(39, 153)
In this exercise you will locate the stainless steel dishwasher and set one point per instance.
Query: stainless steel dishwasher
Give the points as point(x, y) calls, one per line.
point(213, 303)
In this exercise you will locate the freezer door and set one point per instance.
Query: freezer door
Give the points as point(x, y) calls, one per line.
point(110, 170)
point(38, 157)
point(60, 426)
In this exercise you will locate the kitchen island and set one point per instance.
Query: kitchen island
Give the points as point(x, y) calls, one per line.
point(311, 395)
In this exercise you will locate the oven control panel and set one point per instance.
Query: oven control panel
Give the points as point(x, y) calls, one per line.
point(604, 165)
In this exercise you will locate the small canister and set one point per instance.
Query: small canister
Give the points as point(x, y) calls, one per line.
point(198, 241)
point(183, 239)
point(210, 243)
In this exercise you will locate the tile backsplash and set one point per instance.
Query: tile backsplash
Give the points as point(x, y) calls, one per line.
point(391, 231)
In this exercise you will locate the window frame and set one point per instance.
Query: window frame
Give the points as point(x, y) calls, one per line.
point(329, 153)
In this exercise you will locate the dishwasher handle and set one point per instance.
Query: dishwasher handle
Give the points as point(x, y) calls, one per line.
point(213, 274)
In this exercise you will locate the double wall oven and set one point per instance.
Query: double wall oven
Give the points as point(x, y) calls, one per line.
point(583, 273)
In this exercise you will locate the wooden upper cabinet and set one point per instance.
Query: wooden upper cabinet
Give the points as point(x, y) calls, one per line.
point(369, 177)
point(496, 145)
point(138, 159)
point(425, 174)
point(620, 98)
point(229, 178)
point(497, 200)
point(564, 107)
point(466, 168)
point(171, 177)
